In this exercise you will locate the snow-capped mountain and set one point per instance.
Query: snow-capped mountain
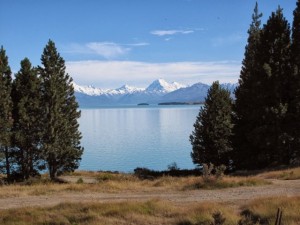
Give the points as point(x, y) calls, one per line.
point(126, 89)
point(194, 93)
point(162, 86)
point(88, 90)
point(93, 91)
point(157, 92)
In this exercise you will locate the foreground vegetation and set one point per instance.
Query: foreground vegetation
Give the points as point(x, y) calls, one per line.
point(143, 211)
point(88, 181)
point(286, 174)
point(155, 212)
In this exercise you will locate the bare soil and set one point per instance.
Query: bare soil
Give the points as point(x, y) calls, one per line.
point(233, 196)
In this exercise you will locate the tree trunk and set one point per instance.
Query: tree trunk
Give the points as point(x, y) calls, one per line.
point(52, 170)
point(7, 163)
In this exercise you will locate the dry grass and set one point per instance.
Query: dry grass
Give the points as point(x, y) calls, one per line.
point(139, 213)
point(151, 212)
point(265, 209)
point(224, 182)
point(287, 174)
point(117, 183)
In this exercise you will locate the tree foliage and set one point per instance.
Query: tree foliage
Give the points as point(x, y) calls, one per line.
point(274, 98)
point(211, 139)
point(294, 110)
point(38, 118)
point(27, 114)
point(267, 107)
point(246, 96)
point(262, 135)
point(61, 139)
point(6, 121)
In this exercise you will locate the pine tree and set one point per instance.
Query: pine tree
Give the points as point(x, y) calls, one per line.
point(61, 139)
point(270, 135)
point(27, 116)
point(294, 109)
point(244, 108)
point(5, 112)
point(213, 128)
point(296, 38)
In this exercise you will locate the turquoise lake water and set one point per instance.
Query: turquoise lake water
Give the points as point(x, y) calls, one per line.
point(123, 138)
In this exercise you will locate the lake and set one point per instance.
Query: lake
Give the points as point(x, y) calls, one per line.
point(123, 138)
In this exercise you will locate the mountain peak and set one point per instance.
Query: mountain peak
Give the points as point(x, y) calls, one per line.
point(162, 86)
point(159, 91)
point(125, 87)
point(89, 90)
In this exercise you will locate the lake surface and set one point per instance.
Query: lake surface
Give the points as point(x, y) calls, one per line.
point(123, 138)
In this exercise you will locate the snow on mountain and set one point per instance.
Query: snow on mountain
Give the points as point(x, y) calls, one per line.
point(88, 90)
point(158, 91)
point(162, 86)
point(93, 91)
point(126, 89)
point(195, 93)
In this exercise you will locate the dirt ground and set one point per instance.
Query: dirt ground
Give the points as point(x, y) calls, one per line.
point(233, 196)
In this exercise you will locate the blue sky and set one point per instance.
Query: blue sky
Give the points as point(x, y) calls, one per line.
point(107, 43)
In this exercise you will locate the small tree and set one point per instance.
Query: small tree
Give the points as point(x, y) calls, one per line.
point(6, 120)
point(61, 139)
point(213, 128)
point(27, 116)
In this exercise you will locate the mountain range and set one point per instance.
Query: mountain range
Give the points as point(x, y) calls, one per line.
point(159, 91)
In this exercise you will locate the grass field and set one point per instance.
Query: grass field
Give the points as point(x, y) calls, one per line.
point(157, 210)
point(152, 212)
point(114, 183)
point(287, 174)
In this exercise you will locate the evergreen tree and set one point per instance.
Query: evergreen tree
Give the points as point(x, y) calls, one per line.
point(213, 128)
point(270, 134)
point(246, 97)
point(61, 139)
point(27, 119)
point(296, 38)
point(5, 112)
point(294, 109)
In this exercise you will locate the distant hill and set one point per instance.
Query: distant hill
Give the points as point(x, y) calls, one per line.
point(157, 92)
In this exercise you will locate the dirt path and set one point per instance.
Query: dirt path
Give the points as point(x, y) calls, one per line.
point(235, 196)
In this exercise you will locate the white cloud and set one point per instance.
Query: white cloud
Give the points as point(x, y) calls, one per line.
point(228, 40)
point(112, 74)
point(108, 50)
point(170, 32)
point(138, 44)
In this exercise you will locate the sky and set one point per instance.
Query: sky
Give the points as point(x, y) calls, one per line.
point(109, 43)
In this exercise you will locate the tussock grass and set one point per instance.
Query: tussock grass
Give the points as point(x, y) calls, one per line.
point(224, 182)
point(152, 212)
point(265, 209)
point(115, 183)
point(139, 213)
point(287, 174)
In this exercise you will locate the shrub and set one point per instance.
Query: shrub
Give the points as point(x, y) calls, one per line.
point(173, 166)
point(220, 170)
point(219, 219)
point(207, 171)
point(79, 181)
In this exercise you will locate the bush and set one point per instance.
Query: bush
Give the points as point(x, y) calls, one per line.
point(79, 181)
point(173, 166)
point(219, 219)
point(220, 170)
point(207, 171)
